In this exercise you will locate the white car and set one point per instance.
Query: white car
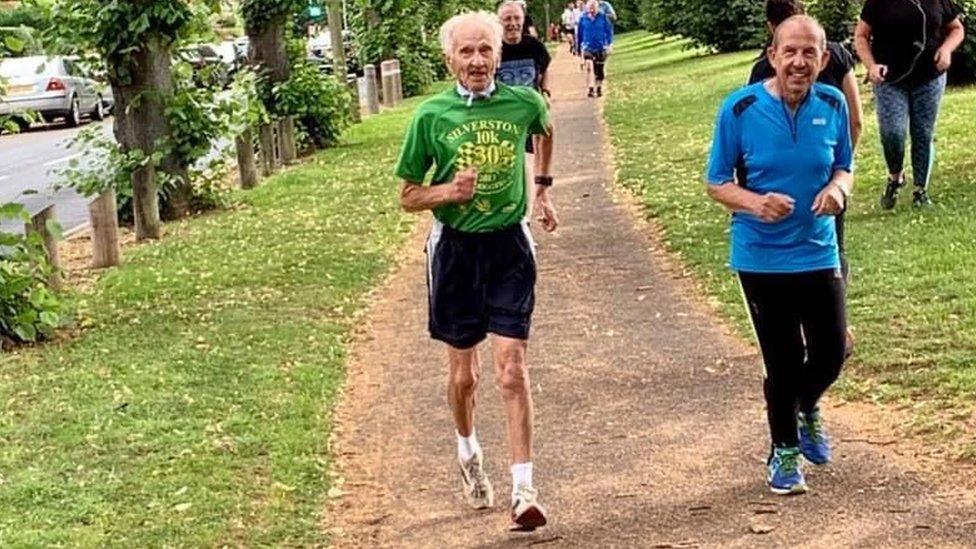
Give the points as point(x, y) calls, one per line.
point(53, 87)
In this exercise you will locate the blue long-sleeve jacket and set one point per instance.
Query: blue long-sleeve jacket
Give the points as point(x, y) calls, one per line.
point(596, 34)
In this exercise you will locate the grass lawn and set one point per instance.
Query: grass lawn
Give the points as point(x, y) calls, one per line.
point(195, 407)
point(912, 300)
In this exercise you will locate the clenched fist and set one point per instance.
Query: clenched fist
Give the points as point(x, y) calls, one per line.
point(774, 207)
point(462, 188)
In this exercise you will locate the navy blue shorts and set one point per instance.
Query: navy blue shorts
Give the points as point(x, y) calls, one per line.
point(480, 283)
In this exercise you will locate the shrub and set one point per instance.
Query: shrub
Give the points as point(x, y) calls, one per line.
point(838, 17)
point(724, 25)
point(964, 62)
point(29, 310)
point(319, 103)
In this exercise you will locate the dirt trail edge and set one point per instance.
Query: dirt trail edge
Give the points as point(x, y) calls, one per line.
point(649, 420)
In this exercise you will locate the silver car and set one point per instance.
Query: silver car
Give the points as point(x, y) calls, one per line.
point(53, 87)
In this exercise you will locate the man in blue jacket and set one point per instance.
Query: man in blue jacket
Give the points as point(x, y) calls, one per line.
point(594, 34)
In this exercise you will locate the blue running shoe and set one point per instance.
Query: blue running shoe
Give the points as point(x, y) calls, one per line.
point(783, 472)
point(814, 443)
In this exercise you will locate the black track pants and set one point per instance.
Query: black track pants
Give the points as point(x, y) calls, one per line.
point(800, 323)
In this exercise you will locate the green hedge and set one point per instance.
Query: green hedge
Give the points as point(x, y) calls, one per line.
point(724, 25)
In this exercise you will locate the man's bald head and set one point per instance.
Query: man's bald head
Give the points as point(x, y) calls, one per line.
point(801, 24)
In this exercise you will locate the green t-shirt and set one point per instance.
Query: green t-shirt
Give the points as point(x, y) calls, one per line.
point(490, 134)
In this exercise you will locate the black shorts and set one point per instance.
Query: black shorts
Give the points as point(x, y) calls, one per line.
point(568, 30)
point(596, 56)
point(480, 283)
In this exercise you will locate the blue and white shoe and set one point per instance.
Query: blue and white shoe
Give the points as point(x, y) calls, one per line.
point(814, 442)
point(783, 472)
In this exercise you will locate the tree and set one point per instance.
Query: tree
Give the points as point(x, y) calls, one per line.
point(724, 25)
point(134, 41)
point(265, 22)
point(407, 30)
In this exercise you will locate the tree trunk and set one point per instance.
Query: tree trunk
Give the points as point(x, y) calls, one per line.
point(38, 225)
point(141, 124)
point(246, 166)
point(266, 136)
point(286, 140)
point(334, 8)
point(179, 192)
point(104, 215)
point(269, 58)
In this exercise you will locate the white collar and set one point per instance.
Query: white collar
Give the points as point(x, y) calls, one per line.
point(471, 96)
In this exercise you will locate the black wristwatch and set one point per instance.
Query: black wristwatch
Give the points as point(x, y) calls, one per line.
point(544, 180)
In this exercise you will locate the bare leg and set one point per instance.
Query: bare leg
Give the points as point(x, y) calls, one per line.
point(462, 387)
point(590, 77)
point(512, 377)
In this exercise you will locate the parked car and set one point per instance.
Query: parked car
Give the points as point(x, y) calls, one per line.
point(208, 65)
point(321, 47)
point(53, 87)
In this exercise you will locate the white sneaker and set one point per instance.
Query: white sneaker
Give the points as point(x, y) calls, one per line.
point(527, 513)
point(477, 489)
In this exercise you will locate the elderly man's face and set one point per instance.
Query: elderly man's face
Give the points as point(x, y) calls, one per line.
point(474, 58)
point(592, 8)
point(798, 55)
point(512, 19)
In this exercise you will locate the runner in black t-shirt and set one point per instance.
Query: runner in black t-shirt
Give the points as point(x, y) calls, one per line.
point(525, 62)
point(907, 47)
point(838, 73)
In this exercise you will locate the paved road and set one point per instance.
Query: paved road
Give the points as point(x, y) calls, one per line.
point(30, 160)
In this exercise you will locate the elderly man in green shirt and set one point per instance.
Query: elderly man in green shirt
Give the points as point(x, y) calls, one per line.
point(481, 268)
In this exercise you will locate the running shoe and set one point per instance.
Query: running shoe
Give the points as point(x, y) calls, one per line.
point(783, 472)
point(920, 199)
point(814, 442)
point(591, 93)
point(477, 489)
point(599, 91)
point(527, 514)
point(891, 193)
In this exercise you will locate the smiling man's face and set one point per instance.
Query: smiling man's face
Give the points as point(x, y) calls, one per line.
point(474, 56)
point(798, 55)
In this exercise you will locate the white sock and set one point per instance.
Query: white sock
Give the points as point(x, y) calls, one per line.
point(521, 476)
point(467, 446)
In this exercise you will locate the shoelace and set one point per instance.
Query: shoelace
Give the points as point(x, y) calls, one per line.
point(477, 476)
point(788, 461)
point(814, 428)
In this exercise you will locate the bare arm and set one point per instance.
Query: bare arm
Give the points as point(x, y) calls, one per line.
point(862, 43)
point(833, 198)
point(414, 197)
point(769, 207)
point(545, 210)
point(545, 151)
point(853, 95)
point(955, 33)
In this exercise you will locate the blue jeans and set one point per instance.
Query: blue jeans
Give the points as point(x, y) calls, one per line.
point(909, 110)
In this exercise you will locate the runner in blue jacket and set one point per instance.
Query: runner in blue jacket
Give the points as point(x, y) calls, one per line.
point(594, 34)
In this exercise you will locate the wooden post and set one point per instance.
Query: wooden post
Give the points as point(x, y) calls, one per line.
point(246, 165)
point(355, 110)
point(286, 140)
point(104, 215)
point(267, 149)
point(372, 94)
point(397, 83)
point(389, 81)
point(38, 225)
